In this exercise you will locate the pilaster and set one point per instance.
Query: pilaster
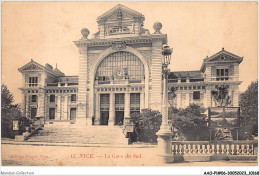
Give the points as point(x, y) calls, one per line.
point(111, 121)
point(142, 100)
point(82, 87)
point(156, 74)
point(127, 105)
point(97, 109)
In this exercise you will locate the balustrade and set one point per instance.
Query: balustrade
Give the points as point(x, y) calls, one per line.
point(209, 148)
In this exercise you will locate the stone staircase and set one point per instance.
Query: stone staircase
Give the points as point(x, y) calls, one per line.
point(64, 132)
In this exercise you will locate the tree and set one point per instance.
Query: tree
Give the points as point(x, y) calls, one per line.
point(248, 102)
point(190, 122)
point(146, 124)
point(9, 112)
point(221, 96)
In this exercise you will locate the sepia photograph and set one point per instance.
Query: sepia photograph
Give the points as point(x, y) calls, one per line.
point(124, 83)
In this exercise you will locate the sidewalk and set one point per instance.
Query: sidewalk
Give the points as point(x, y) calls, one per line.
point(12, 142)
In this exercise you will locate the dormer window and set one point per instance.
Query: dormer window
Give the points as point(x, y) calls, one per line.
point(222, 74)
point(33, 81)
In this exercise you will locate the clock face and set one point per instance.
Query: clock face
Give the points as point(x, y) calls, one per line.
point(119, 73)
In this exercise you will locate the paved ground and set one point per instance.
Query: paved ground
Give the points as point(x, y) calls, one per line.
point(33, 154)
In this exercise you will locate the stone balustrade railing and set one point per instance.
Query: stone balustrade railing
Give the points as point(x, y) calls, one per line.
point(214, 148)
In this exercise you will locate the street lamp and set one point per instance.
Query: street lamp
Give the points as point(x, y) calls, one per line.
point(165, 133)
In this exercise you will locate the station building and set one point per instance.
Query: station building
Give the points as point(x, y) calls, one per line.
point(120, 72)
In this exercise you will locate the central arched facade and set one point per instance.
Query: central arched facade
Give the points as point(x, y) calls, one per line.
point(119, 86)
point(122, 66)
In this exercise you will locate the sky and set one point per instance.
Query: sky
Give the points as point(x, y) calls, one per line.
point(45, 31)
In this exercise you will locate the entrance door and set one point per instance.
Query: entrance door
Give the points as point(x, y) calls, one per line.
point(104, 115)
point(119, 108)
point(119, 118)
point(33, 112)
point(52, 113)
point(104, 109)
point(72, 113)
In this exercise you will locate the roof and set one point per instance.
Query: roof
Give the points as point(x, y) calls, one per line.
point(57, 71)
point(116, 8)
point(222, 56)
point(196, 74)
point(69, 79)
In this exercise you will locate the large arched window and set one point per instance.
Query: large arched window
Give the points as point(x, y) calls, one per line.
point(120, 65)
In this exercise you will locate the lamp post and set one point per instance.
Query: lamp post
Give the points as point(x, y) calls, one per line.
point(165, 133)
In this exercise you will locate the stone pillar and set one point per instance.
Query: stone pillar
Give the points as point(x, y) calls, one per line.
point(127, 105)
point(41, 104)
point(111, 121)
point(66, 115)
point(97, 110)
point(58, 117)
point(82, 87)
point(142, 99)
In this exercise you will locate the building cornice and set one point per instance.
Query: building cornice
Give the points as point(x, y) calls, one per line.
point(126, 40)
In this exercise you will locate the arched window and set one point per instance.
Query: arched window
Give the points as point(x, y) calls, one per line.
point(120, 65)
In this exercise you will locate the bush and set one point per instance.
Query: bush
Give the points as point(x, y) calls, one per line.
point(146, 124)
point(190, 123)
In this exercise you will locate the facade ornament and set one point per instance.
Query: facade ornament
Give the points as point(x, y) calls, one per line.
point(157, 26)
point(85, 33)
point(118, 45)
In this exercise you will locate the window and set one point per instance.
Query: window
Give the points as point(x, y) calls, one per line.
point(120, 65)
point(196, 95)
point(120, 99)
point(222, 74)
point(33, 81)
point(52, 98)
point(73, 97)
point(134, 103)
point(34, 98)
point(104, 102)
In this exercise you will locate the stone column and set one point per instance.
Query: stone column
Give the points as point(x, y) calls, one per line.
point(127, 105)
point(142, 101)
point(111, 121)
point(97, 109)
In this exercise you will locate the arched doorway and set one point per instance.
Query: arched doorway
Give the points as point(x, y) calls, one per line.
point(117, 72)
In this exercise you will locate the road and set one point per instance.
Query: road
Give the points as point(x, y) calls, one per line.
point(39, 155)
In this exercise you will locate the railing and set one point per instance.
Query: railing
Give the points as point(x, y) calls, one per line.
point(52, 84)
point(222, 78)
point(61, 84)
point(172, 80)
point(104, 82)
point(31, 84)
point(214, 148)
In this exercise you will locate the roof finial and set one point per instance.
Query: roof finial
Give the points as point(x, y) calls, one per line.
point(223, 49)
point(56, 65)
